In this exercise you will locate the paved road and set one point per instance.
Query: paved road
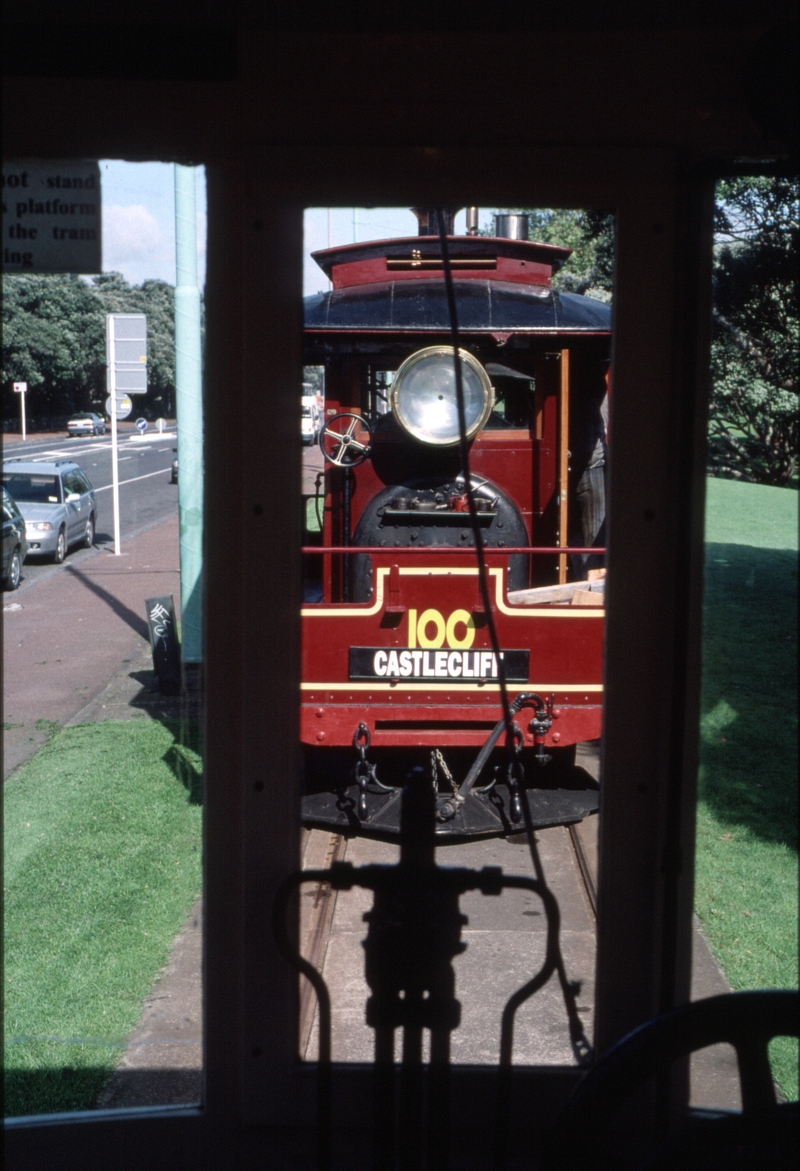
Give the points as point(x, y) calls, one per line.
point(67, 635)
point(146, 496)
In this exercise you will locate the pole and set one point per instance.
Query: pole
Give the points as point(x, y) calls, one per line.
point(112, 389)
point(189, 411)
point(563, 466)
point(22, 408)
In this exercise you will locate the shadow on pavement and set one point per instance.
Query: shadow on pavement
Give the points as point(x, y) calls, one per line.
point(139, 625)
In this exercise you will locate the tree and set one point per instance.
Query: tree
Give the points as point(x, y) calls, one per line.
point(54, 339)
point(590, 235)
point(754, 403)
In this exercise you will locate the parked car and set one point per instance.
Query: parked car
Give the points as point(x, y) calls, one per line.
point(58, 503)
point(86, 423)
point(310, 419)
point(15, 545)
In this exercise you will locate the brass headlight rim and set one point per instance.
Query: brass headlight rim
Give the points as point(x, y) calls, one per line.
point(446, 352)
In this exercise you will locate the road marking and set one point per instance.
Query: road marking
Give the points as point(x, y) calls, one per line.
point(60, 452)
point(107, 487)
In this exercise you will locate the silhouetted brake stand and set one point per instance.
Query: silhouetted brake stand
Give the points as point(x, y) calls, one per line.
point(414, 934)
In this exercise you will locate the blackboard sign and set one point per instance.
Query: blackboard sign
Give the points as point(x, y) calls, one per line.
point(164, 643)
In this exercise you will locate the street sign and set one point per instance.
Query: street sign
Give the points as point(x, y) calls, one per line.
point(20, 387)
point(126, 353)
point(126, 364)
point(124, 406)
point(141, 426)
point(51, 216)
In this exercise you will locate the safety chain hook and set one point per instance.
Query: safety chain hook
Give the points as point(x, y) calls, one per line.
point(365, 772)
point(540, 725)
point(438, 762)
point(516, 774)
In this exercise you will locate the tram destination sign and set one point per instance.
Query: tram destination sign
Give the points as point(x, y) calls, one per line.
point(407, 663)
point(51, 216)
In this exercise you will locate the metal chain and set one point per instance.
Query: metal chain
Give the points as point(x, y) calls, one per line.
point(516, 775)
point(438, 761)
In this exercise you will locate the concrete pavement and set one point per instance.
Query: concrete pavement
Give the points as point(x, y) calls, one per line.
point(67, 635)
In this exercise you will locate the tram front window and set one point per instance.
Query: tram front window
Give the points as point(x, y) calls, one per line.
point(400, 675)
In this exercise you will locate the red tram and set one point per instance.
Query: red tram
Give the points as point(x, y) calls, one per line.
point(397, 668)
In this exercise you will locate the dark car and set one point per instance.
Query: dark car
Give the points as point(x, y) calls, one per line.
point(86, 423)
point(15, 545)
point(57, 501)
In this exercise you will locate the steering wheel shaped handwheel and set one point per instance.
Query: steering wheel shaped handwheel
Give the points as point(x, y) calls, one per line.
point(339, 443)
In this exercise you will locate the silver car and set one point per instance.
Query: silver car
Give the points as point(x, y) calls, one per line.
point(58, 503)
point(86, 423)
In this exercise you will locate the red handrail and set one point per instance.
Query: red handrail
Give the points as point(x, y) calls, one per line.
point(394, 550)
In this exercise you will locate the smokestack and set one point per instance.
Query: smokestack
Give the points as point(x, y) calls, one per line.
point(512, 225)
point(472, 221)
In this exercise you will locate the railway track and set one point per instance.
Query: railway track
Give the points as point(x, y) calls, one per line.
point(499, 941)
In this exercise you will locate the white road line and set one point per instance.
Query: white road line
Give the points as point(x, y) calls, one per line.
point(107, 487)
point(60, 453)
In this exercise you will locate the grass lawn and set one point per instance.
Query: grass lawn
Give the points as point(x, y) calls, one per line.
point(746, 885)
point(102, 865)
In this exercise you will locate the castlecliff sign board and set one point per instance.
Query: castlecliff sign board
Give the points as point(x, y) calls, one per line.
point(51, 217)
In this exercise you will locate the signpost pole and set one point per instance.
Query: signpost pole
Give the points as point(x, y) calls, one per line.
point(21, 388)
point(189, 411)
point(112, 375)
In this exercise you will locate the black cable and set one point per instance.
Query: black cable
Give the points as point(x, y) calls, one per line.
point(580, 1043)
point(473, 511)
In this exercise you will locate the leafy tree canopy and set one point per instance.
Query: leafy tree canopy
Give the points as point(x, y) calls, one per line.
point(590, 235)
point(54, 330)
point(754, 355)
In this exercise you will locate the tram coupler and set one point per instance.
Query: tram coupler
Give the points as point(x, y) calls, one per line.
point(365, 772)
point(492, 810)
point(540, 725)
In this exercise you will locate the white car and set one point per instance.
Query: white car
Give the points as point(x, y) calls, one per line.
point(86, 423)
point(310, 419)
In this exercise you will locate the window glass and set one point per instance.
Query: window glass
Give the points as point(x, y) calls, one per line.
point(398, 667)
point(103, 792)
point(746, 856)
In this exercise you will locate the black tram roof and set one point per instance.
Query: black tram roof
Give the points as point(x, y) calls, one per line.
point(483, 305)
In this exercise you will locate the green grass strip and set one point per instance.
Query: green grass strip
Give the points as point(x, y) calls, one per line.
point(746, 858)
point(102, 865)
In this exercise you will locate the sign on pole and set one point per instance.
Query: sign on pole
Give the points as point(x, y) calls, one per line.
point(123, 406)
point(127, 353)
point(21, 388)
point(126, 358)
point(51, 216)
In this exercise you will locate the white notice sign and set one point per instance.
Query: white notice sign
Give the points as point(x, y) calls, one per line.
point(51, 217)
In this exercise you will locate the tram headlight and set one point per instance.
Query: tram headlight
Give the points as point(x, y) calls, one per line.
point(423, 395)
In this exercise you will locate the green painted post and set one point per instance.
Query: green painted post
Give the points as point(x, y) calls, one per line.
point(189, 412)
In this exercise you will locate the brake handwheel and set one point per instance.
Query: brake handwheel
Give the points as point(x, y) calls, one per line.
point(339, 443)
